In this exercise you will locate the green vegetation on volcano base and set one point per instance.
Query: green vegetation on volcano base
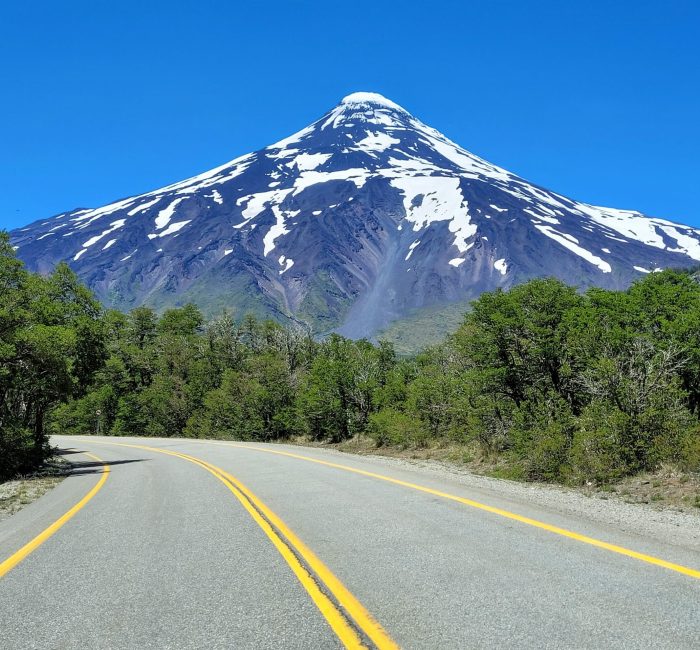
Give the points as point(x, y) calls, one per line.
point(424, 327)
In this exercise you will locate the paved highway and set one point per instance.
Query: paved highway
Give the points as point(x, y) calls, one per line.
point(155, 543)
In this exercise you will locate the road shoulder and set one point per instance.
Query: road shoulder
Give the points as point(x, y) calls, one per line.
point(665, 525)
point(24, 490)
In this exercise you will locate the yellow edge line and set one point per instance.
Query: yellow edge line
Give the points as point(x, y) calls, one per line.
point(14, 559)
point(614, 548)
point(335, 619)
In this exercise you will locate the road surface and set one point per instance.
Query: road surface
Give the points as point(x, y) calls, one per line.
point(199, 544)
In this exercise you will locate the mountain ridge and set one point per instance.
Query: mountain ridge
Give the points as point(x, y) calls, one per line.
point(349, 224)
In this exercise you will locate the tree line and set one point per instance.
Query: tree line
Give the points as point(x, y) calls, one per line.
point(555, 384)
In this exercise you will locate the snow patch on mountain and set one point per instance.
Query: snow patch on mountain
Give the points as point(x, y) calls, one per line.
point(86, 217)
point(142, 207)
point(278, 229)
point(411, 248)
point(309, 178)
point(575, 248)
point(256, 203)
point(216, 196)
point(428, 199)
point(214, 176)
point(292, 139)
point(166, 214)
point(172, 228)
point(466, 161)
point(286, 263)
point(308, 161)
point(377, 142)
point(636, 226)
point(113, 226)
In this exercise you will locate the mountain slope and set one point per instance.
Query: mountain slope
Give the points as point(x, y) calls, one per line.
point(356, 220)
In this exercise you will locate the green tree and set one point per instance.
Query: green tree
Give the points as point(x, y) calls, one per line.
point(51, 343)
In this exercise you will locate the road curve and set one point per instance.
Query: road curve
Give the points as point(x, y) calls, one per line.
point(191, 544)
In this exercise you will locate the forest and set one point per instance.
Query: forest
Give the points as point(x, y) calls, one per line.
point(558, 385)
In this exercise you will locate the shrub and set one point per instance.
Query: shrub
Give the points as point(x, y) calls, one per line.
point(690, 451)
point(395, 428)
point(596, 452)
point(542, 432)
point(17, 452)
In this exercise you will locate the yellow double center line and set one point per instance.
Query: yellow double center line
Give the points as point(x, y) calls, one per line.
point(350, 621)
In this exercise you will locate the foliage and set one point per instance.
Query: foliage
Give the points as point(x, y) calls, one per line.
point(554, 384)
point(583, 387)
point(51, 343)
point(396, 428)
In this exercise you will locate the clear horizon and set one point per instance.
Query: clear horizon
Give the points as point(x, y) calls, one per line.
point(598, 103)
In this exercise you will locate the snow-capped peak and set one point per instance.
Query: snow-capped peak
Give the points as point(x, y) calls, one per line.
point(375, 99)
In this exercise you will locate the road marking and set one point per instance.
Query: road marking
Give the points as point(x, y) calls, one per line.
point(14, 559)
point(292, 548)
point(614, 548)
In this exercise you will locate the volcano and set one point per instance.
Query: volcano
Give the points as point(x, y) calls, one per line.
point(353, 222)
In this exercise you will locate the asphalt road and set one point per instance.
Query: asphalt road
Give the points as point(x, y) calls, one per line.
point(231, 545)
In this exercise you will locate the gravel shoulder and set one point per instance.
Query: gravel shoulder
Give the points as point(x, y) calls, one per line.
point(20, 492)
point(667, 525)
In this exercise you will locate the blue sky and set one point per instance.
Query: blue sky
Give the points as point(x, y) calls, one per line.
point(596, 100)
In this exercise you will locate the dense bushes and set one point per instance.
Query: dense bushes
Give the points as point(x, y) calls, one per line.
point(554, 384)
point(558, 385)
point(585, 387)
point(564, 386)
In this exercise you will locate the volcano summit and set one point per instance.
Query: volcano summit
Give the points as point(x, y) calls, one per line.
point(359, 219)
